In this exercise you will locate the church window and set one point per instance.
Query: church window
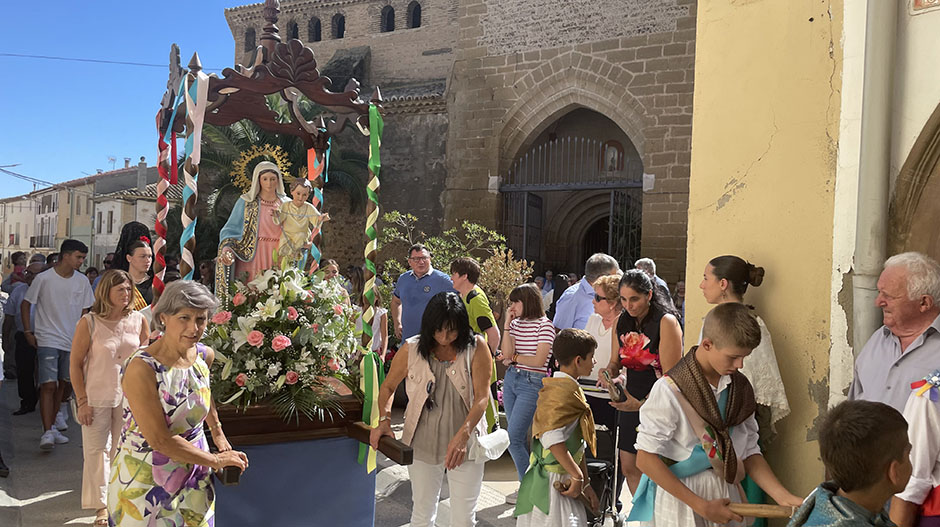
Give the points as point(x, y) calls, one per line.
point(414, 15)
point(339, 26)
point(250, 39)
point(313, 30)
point(292, 30)
point(388, 19)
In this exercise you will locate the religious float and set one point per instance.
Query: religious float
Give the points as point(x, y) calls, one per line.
point(295, 384)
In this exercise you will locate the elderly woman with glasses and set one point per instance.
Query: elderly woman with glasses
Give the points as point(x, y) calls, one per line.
point(160, 475)
point(446, 369)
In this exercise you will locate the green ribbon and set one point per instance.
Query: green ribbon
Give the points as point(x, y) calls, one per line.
point(535, 490)
point(371, 369)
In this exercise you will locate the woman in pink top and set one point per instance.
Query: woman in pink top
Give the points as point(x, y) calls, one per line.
point(104, 339)
point(526, 349)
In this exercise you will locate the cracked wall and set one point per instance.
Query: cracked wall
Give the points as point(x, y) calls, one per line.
point(765, 139)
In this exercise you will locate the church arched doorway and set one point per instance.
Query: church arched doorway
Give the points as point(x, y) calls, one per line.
point(573, 190)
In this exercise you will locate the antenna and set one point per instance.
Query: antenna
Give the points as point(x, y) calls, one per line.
point(112, 160)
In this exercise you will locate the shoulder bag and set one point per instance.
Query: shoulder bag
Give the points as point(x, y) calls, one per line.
point(485, 447)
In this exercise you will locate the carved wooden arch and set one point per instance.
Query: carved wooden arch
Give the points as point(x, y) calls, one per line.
point(915, 207)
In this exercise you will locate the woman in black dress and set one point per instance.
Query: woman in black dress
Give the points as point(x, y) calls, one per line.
point(647, 313)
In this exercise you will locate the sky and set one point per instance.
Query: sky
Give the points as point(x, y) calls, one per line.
point(61, 120)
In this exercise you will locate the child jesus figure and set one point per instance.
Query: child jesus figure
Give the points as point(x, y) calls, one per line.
point(298, 219)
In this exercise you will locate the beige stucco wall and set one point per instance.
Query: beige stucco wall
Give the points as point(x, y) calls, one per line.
point(764, 151)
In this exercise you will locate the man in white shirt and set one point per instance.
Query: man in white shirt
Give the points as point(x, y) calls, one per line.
point(61, 296)
point(25, 354)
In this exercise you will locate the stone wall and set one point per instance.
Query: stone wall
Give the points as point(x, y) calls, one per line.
point(521, 65)
point(403, 55)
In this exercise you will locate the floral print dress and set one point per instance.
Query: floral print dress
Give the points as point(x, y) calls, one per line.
point(147, 488)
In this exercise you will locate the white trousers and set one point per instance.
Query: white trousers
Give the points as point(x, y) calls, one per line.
point(465, 482)
point(99, 444)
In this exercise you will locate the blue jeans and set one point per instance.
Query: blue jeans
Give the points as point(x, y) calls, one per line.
point(520, 395)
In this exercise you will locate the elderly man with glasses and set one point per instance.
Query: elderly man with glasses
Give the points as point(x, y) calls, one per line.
point(413, 291)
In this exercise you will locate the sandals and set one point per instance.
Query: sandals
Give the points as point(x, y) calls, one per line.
point(101, 518)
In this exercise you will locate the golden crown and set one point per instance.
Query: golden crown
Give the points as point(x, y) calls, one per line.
point(247, 161)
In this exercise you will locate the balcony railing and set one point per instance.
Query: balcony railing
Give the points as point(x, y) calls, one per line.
point(42, 242)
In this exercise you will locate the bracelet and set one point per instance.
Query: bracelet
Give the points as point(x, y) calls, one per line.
point(218, 462)
point(216, 425)
point(385, 418)
point(83, 403)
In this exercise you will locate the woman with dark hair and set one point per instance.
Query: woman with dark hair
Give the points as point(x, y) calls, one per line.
point(131, 232)
point(526, 349)
point(446, 403)
point(139, 258)
point(649, 341)
point(725, 280)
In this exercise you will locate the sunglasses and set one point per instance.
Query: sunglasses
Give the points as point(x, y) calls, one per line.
point(429, 402)
point(599, 298)
point(108, 262)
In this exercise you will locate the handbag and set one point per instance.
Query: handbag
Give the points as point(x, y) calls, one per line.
point(485, 447)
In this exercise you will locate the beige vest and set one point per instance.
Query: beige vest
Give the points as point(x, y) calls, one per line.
point(416, 386)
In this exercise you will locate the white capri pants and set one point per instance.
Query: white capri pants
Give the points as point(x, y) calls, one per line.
point(465, 483)
point(99, 443)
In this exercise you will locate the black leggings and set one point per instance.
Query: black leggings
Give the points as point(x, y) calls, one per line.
point(26, 372)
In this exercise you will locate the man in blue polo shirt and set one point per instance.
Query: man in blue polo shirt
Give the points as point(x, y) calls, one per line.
point(413, 291)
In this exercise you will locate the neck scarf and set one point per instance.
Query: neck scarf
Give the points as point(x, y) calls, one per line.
point(561, 401)
point(691, 381)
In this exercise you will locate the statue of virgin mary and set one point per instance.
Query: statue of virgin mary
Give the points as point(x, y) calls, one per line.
point(250, 237)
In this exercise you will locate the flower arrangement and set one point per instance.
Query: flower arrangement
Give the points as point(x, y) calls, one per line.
point(634, 353)
point(285, 338)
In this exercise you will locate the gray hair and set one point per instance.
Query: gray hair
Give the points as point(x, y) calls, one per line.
point(646, 265)
point(598, 265)
point(180, 295)
point(923, 274)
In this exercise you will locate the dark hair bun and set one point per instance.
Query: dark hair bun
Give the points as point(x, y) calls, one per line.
point(755, 275)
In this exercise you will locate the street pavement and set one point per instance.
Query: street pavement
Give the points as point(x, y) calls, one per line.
point(44, 488)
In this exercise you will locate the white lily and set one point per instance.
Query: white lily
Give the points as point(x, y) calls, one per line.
point(240, 335)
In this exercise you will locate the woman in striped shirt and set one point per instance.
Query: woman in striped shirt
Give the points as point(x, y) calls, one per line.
point(526, 349)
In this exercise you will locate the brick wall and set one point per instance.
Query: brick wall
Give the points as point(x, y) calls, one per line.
point(522, 64)
point(403, 55)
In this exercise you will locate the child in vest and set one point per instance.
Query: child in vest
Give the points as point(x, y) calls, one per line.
point(562, 425)
point(698, 437)
point(919, 503)
point(864, 446)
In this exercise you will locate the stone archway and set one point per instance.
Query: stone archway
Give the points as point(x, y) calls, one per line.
point(915, 207)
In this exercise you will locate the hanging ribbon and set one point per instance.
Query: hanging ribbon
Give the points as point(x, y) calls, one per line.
point(163, 209)
point(196, 101)
point(370, 411)
point(316, 169)
point(373, 375)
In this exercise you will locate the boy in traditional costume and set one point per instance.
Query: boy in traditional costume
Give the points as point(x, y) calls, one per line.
point(698, 437)
point(919, 503)
point(562, 425)
point(863, 445)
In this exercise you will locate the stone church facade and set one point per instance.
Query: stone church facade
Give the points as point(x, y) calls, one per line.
point(566, 125)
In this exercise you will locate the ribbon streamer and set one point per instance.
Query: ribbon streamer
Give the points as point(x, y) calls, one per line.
point(315, 170)
point(197, 95)
point(373, 375)
point(163, 209)
point(370, 412)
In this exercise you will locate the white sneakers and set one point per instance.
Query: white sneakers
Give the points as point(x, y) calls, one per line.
point(61, 423)
point(50, 438)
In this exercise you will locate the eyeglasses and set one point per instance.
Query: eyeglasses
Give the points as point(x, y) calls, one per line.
point(429, 402)
point(419, 258)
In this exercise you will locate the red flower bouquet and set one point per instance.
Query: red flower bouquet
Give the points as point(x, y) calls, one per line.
point(634, 353)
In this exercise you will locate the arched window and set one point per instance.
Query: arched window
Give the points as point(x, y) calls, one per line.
point(339, 26)
point(313, 30)
point(292, 30)
point(250, 44)
point(388, 19)
point(414, 15)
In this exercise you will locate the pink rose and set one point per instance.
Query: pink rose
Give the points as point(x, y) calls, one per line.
point(309, 296)
point(338, 309)
point(238, 299)
point(292, 313)
point(222, 317)
point(240, 379)
point(315, 327)
point(256, 338)
point(280, 342)
point(292, 377)
point(333, 364)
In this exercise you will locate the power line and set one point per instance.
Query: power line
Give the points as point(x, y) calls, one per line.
point(97, 61)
